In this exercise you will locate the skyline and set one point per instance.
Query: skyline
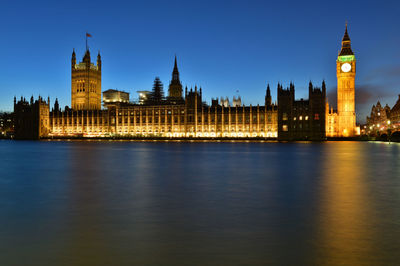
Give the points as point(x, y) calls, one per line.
point(298, 51)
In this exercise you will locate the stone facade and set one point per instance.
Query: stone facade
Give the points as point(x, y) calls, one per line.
point(85, 83)
point(191, 119)
point(186, 115)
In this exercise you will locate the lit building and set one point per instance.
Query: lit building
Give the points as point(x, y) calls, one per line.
point(143, 96)
point(6, 124)
point(191, 119)
point(237, 101)
point(395, 114)
point(382, 119)
point(342, 123)
point(185, 114)
point(85, 83)
point(115, 96)
point(379, 116)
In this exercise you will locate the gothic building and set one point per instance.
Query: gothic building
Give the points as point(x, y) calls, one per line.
point(395, 114)
point(379, 115)
point(175, 116)
point(382, 118)
point(31, 119)
point(301, 119)
point(85, 83)
point(186, 114)
point(342, 123)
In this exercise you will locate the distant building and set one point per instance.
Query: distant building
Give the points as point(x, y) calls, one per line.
point(237, 101)
point(395, 114)
point(383, 118)
point(225, 102)
point(379, 116)
point(301, 119)
point(115, 96)
point(6, 124)
point(143, 96)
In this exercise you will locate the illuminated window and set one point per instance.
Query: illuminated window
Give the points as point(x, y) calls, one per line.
point(284, 128)
point(300, 117)
point(306, 117)
point(316, 116)
point(284, 116)
point(294, 118)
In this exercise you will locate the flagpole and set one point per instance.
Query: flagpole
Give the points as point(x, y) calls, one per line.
point(86, 42)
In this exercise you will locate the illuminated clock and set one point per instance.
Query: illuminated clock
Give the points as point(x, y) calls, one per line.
point(346, 67)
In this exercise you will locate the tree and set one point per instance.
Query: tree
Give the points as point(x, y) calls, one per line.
point(157, 94)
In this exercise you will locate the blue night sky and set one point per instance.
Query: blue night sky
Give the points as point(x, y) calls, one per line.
point(223, 46)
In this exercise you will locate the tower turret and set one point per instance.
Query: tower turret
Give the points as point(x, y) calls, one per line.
point(310, 87)
point(73, 59)
point(323, 88)
point(86, 57)
point(56, 106)
point(99, 61)
point(268, 99)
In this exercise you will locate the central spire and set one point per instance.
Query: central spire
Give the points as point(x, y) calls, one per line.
point(175, 72)
point(175, 86)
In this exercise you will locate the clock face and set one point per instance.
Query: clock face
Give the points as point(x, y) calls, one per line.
point(346, 67)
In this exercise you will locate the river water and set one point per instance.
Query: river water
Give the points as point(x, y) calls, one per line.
point(199, 203)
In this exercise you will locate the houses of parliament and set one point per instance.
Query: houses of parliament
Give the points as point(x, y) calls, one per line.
point(184, 114)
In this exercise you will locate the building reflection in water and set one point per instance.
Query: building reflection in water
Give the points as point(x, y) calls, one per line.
point(132, 203)
point(111, 201)
point(345, 225)
point(86, 243)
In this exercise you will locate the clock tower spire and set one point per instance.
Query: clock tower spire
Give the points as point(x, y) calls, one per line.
point(346, 73)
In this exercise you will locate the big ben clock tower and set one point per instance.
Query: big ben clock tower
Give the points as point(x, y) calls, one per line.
point(346, 73)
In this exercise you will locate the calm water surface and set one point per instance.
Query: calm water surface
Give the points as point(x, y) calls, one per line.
point(137, 203)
